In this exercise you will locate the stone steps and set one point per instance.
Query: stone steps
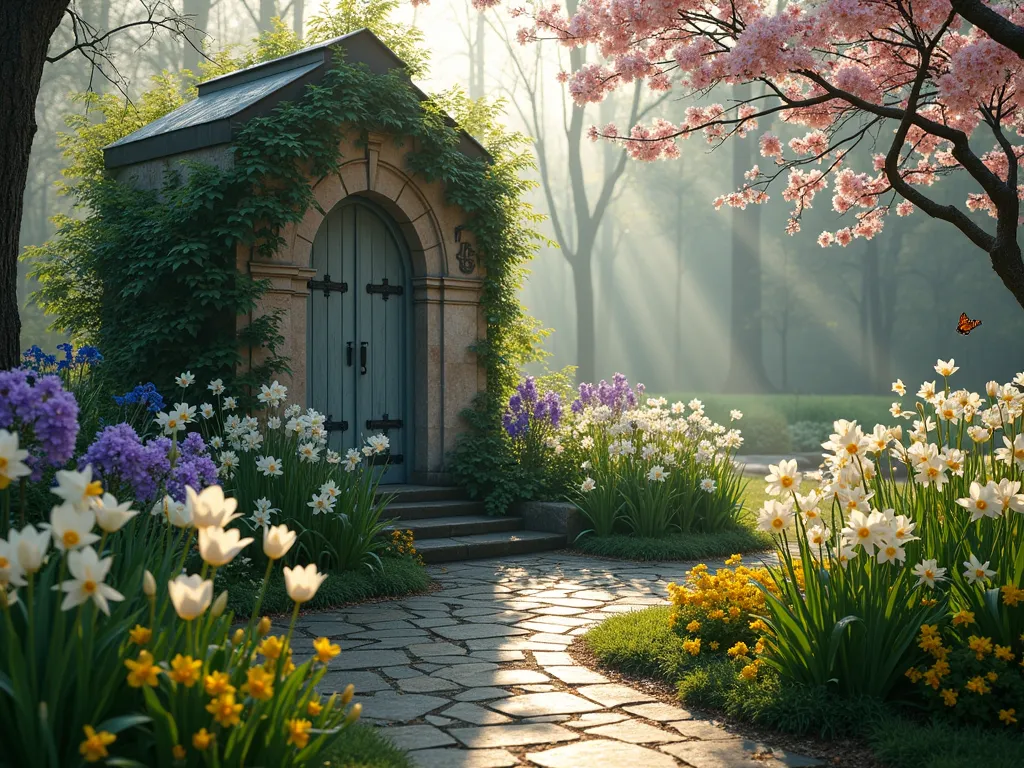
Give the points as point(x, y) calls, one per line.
point(447, 527)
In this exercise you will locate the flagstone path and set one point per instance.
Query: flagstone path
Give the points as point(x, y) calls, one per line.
point(476, 675)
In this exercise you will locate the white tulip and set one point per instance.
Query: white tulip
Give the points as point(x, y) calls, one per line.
point(301, 584)
point(277, 540)
point(30, 546)
point(219, 605)
point(218, 546)
point(148, 584)
point(111, 516)
point(191, 595)
point(88, 573)
point(210, 508)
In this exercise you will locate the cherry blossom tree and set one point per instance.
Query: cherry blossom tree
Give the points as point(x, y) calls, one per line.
point(931, 83)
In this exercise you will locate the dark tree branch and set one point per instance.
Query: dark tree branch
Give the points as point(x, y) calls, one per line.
point(992, 23)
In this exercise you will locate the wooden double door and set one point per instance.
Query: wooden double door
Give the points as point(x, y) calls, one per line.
point(358, 333)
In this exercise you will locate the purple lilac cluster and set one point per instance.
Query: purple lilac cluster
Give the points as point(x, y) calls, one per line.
point(527, 404)
point(118, 455)
point(43, 413)
point(618, 395)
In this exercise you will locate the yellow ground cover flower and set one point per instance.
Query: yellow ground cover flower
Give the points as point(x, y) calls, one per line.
point(1013, 596)
point(692, 647)
point(982, 646)
point(1007, 716)
point(217, 683)
point(740, 649)
point(949, 697)
point(202, 739)
point(298, 731)
point(977, 685)
point(693, 626)
point(178, 752)
point(185, 670)
point(324, 650)
point(260, 684)
point(224, 710)
point(140, 635)
point(749, 672)
point(94, 747)
point(142, 671)
point(1004, 653)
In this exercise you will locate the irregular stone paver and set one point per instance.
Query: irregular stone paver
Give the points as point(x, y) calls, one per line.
point(460, 674)
point(512, 735)
point(587, 754)
point(540, 704)
point(464, 758)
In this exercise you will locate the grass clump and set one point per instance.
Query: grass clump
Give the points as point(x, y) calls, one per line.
point(396, 576)
point(901, 743)
point(363, 746)
point(689, 546)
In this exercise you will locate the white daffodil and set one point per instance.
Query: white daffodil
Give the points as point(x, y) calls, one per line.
point(86, 583)
point(817, 535)
point(332, 457)
point(946, 367)
point(260, 518)
point(899, 387)
point(321, 502)
point(890, 553)
point(185, 413)
point(292, 411)
point(230, 403)
point(928, 572)
point(983, 501)
point(855, 499)
point(277, 540)
point(931, 472)
point(170, 423)
point(12, 458)
point(784, 477)
point(191, 595)
point(588, 485)
point(216, 386)
point(184, 380)
point(903, 530)
point(847, 552)
point(352, 459)
point(218, 546)
point(976, 572)
point(927, 391)
point(78, 488)
point(657, 474)
point(308, 452)
point(269, 466)
point(111, 517)
point(379, 443)
point(735, 415)
point(708, 485)
point(10, 569)
point(210, 507)
point(1012, 453)
point(979, 434)
point(71, 528)
point(274, 422)
point(1008, 497)
point(301, 584)
point(775, 516)
point(216, 442)
point(30, 547)
point(206, 411)
point(868, 531)
point(330, 488)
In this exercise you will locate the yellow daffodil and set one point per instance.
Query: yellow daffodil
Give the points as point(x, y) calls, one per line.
point(224, 710)
point(749, 672)
point(1003, 653)
point(977, 685)
point(963, 617)
point(259, 684)
point(140, 635)
point(142, 671)
point(217, 683)
point(981, 646)
point(314, 708)
point(185, 670)
point(202, 739)
point(324, 650)
point(271, 647)
point(94, 747)
point(1007, 716)
point(178, 752)
point(298, 731)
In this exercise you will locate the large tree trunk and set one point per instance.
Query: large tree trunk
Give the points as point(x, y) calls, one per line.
point(298, 17)
point(746, 344)
point(677, 367)
point(199, 11)
point(25, 30)
point(268, 10)
point(476, 59)
point(1007, 263)
point(586, 341)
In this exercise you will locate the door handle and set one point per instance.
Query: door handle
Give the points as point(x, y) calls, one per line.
point(348, 354)
point(362, 357)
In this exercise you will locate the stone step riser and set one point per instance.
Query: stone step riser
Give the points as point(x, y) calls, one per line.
point(476, 550)
point(427, 510)
point(447, 527)
point(411, 493)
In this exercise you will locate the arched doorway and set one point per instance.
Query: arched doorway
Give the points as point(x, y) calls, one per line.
point(358, 331)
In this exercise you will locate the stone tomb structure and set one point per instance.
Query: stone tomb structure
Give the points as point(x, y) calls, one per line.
point(380, 295)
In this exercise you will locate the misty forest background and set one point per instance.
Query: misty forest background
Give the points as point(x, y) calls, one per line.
point(643, 280)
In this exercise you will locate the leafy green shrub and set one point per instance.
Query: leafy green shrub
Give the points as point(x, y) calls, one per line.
point(807, 436)
point(765, 432)
point(690, 546)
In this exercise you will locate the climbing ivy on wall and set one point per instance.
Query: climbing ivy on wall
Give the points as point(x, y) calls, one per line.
point(151, 278)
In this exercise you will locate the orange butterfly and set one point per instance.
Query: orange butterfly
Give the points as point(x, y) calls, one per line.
point(966, 325)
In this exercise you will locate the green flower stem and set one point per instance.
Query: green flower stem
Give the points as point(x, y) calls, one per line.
point(255, 617)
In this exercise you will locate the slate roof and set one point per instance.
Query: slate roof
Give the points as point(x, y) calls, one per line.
point(226, 103)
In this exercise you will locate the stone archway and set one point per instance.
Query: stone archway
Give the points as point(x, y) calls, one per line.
point(446, 316)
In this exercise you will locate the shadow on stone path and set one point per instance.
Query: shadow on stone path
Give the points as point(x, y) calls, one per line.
point(477, 675)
